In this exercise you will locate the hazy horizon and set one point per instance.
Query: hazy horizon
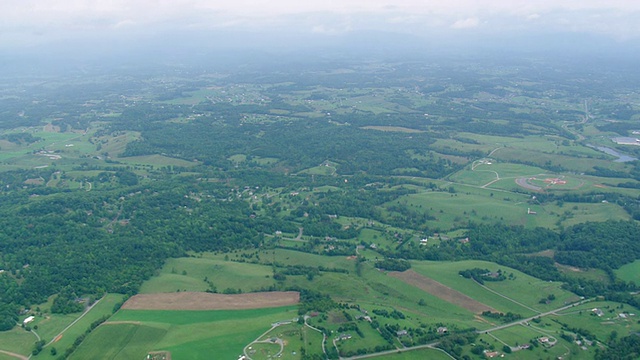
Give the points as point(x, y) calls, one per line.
point(38, 31)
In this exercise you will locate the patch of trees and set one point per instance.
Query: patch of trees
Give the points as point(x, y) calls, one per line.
point(482, 275)
point(625, 348)
point(453, 344)
point(605, 245)
point(311, 300)
point(393, 314)
point(393, 265)
point(67, 302)
point(21, 138)
point(8, 316)
point(506, 318)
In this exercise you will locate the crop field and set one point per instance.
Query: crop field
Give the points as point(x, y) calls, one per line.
point(209, 301)
point(443, 292)
point(185, 334)
point(130, 341)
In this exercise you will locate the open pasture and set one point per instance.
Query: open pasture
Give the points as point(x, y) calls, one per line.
point(611, 316)
point(629, 272)
point(451, 210)
point(569, 163)
point(521, 294)
point(189, 274)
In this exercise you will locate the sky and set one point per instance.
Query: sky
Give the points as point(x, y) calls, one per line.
point(32, 23)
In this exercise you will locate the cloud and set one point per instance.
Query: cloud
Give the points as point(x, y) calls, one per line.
point(20, 19)
point(466, 23)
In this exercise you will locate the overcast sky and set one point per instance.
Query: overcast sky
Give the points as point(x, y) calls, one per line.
point(34, 22)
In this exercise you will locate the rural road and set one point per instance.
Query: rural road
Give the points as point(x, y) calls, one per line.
point(433, 344)
point(522, 321)
point(324, 337)
point(74, 322)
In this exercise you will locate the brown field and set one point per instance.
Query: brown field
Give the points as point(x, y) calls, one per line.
point(392, 129)
point(208, 301)
point(441, 291)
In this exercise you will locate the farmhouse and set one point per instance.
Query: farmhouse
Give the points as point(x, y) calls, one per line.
point(547, 341)
point(344, 337)
point(28, 320)
point(491, 354)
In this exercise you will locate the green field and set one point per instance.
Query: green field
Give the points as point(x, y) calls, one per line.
point(188, 274)
point(50, 328)
point(186, 334)
point(416, 355)
point(630, 272)
point(524, 291)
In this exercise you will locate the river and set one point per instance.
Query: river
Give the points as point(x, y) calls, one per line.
point(620, 156)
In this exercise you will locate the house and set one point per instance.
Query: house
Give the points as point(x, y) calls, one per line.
point(543, 339)
point(28, 320)
point(344, 337)
point(546, 341)
point(491, 354)
point(442, 330)
point(424, 241)
point(597, 311)
point(401, 333)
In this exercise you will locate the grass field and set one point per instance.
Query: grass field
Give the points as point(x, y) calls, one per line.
point(630, 272)
point(186, 334)
point(294, 338)
point(49, 328)
point(416, 355)
point(188, 274)
point(524, 290)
